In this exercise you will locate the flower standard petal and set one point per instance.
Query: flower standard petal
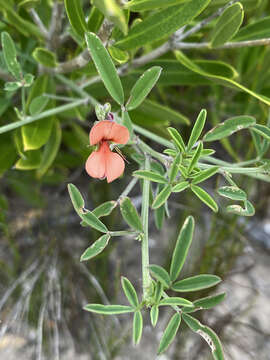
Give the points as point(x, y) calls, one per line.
point(108, 130)
point(115, 166)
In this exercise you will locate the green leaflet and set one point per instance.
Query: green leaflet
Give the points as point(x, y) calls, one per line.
point(197, 129)
point(161, 275)
point(169, 333)
point(95, 20)
point(257, 30)
point(108, 309)
point(137, 327)
point(227, 25)
point(196, 283)
point(76, 16)
point(162, 196)
point(181, 247)
point(217, 78)
point(45, 57)
point(161, 24)
point(229, 126)
point(38, 104)
point(175, 301)
point(105, 67)
point(76, 198)
point(233, 193)
point(104, 209)
point(204, 197)
point(95, 249)
point(143, 86)
point(113, 12)
point(150, 175)
point(130, 292)
point(262, 130)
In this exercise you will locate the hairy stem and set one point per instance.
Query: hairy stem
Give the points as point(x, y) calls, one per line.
point(146, 279)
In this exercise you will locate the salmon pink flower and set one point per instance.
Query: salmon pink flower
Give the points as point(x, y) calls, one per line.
point(103, 163)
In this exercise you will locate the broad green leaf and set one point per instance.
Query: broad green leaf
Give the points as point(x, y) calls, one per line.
point(137, 327)
point(262, 130)
point(209, 301)
point(45, 57)
point(95, 20)
point(177, 139)
point(195, 157)
point(51, 149)
point(197, 129)
point(38, 104)
point(130, 292)
point(220, 79)
point(174, 168)
point(181, 186)
point(76, 16)
point(208, 334)
point(233, 193)
point(227, 25)
point(155, 112)
point(154, 312)
point(162, 196)
point(238, 210)
point(118, 55)
point(161, 275)
point(161, 24)
point(205, 174)
point(10, 56)
point(12, 85)
point(104, 209)
point(38, 133)
point(113, 12)
point(76, 198)
point(150, 175)
point(181, 247)
point(7, 153)
point(230, 126)
point(143, 86)
point(196, 283)
point(175, 301)
point(130, 214)
point(108, 309)
point(91, 220)
point(30, 161)
point(259, 29)
point(169, 333)
point(105, 67)
point(142, 5)
point(96, 248)
point(204, 197)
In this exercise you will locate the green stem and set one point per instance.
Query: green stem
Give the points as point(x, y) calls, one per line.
point(47, 113)
point(124, 233)
point(146, 279)
point(147, 149)
point(152, 136)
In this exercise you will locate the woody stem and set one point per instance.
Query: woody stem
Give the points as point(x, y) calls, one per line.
point(146, 279)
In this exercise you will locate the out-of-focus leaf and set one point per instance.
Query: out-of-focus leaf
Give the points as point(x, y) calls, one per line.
point(95, 249)
point(76, 16)
point(218, 78)
point(95, 19)
point(161, 24)
point(51, 149)
point(30, 161)
point(38, 104)
point(142, 5)
point(262, 130)
point(120, 56)
point(7, 153)
point(105, 67)
point(259, 29)
point(227, 25)
point(113, 12)
point(45, 57)
point(12, 85)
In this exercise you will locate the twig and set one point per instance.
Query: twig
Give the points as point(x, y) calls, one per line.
point(228, 45)
point(39, 23)
point(55, 26)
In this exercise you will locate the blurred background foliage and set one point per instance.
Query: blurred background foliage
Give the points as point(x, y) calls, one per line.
point(41, 239)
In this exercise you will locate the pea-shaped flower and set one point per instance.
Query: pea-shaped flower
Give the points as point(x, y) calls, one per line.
point(103, 163)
